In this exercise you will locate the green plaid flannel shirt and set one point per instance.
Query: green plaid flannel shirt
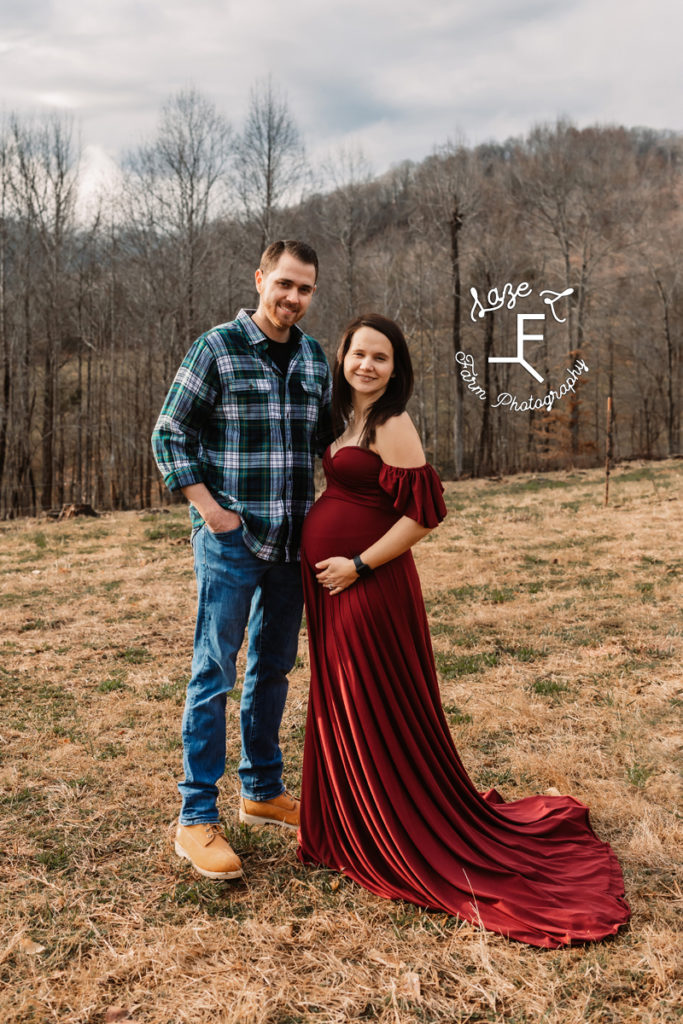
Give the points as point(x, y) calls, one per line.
point(233, 422)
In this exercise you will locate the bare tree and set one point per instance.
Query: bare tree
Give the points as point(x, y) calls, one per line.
point(269, 162)
point(580, 189)
point(176, 185)
point(660, 251)
point(348, 213)
point(162, 258)
point(450, 195)
point(5, 352)
point(45, 188)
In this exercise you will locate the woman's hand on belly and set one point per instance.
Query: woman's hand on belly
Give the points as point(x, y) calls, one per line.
point(336, 574)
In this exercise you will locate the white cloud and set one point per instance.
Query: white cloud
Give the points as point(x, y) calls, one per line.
point(396, 76)
point(99, 181)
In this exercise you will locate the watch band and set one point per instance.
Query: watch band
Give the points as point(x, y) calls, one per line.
point(361, 568)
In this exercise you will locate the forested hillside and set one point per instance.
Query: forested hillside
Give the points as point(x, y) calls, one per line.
point(98, 308)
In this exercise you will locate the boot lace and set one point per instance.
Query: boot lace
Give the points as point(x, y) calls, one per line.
point(213, 829)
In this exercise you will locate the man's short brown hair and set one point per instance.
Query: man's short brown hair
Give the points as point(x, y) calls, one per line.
point(300, 250)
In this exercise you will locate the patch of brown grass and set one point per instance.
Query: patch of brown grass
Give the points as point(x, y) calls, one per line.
point(558, 633)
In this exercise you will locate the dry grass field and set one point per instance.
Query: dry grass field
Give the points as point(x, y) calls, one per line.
point(558, 634)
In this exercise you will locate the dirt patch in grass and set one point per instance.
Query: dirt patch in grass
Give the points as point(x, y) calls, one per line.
point(558, 635)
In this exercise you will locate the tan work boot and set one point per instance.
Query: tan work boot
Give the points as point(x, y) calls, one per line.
point(279, 810)
point(207, 849)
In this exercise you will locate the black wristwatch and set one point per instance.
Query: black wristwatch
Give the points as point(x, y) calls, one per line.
point(361, 568)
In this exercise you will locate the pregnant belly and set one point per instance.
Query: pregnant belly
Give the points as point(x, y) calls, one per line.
point(337, 527)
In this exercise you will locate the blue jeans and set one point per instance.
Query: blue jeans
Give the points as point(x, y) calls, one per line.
point(236, 589)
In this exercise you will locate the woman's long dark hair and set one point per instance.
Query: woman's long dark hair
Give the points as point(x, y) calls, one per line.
point(399, 389)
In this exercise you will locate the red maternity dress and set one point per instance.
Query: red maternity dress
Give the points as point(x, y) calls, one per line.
point(385, 798)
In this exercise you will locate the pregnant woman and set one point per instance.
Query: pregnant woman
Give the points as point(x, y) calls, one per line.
point(385, 798)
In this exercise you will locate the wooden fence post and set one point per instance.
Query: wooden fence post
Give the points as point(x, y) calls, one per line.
point(608, 448)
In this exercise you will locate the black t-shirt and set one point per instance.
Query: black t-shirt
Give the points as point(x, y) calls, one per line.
point(281, 352)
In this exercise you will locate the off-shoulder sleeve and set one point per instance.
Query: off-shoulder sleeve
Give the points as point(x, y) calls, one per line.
point(416, 493)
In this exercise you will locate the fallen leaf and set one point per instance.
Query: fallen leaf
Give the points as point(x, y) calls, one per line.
point(409, 986)
point(29, 946)
point(379, 958)
point(116, 1013)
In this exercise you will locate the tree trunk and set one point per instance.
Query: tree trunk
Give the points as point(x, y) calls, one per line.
point(456, 223)
point(485, 455)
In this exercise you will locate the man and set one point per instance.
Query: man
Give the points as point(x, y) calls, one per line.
point(247, 412)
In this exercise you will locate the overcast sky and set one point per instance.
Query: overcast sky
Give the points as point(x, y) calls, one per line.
point(396, 79)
